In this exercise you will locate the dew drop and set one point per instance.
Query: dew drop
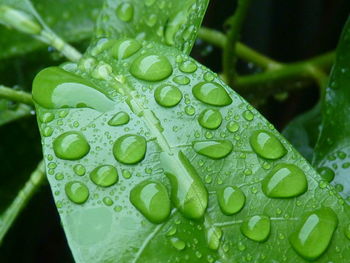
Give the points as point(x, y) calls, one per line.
point(232, 126)
point(46, 117)
point(129, 149)
point(151, 67)
point(315, 233)
point(211, 93)
point(285, 181)
point(125, 12)
point(326, 173)
point(107, 201)
point(256, 228)
point(119, 118)
point(267, 145)
point(167, 95)
point(210, 119)
point(214, 235)
point(79, 169)
point(231, 200)
point(178, 243)
point(248, 115)
point(190, 110)
point(188, 192)
point(125, 48)
point(214, 149)
point(77, 192)
point(71, 146)
point(188, 67)
point(104, 175)
point(181, 80)
point(152, 200)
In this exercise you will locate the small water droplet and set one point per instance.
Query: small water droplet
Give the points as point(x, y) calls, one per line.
point(107, 201)
point(79, 169)
point(214, 149)
point(46, 117)
point(188, 66)
point(152, 200)
point(167, 95)
point(151, 67)
point(104, 175)
point(181, 80)
point(190, 110)
point(248, 115)
point(256, 228)
point(232, 126)
point(119, 118)
point(125, 11)
point(125, 48)
point(77, 192)
point(211, 93)
point(178, 243)
point(326, 173)
point(214, 235)
point(231, 200)
point(266, 145)
point(285, 181)
point(130, 148)
point(210, 119)
point(71, 146)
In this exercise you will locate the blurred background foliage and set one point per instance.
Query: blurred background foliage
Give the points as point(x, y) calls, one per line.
point(287, 31)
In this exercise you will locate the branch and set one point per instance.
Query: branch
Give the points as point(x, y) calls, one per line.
point(15, 95)
point(23, 196)
point(229, 55)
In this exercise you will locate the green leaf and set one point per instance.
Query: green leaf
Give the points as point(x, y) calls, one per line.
point(74, 24)
point(172, 22)
point(303, 131)
point(333, 146)
point(142, 170)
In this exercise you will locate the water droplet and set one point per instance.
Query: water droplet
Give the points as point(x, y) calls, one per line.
point(107, 201)
point(315, 233)
point(211, 93)
point(188, 66)
point(104, 175)
point(130, 148)
point(214, 235)
point(181, 80)
point(77, 192)
point(210, 119)
point(152, 200)
point(215, 149)
point(256, 228)
point(178, 243)
point(119, 118)
point(151, 20)
point(46, 117)
point(232, 126)
point(125, 48)
point(190, 110)
point(79, 169)
point(208, 76)
point(167, 95)
point(55, 88)
point(126, 174)
point(173, 27)
point(267, 145)
point(326, 173)
point(188, 192)
point(71, 146)
point(47, 131)
point(284, 181)
point(151, 67)
point(248, 115)
point(125, 12)
point(231, 200)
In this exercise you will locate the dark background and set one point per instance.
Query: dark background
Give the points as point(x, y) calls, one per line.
point(287, 30)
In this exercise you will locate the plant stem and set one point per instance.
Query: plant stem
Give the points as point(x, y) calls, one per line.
point(16, 95)
point(23, 196)
point(229, 55)
point(218, 39)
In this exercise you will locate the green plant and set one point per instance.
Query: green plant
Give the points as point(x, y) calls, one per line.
point(151, 157)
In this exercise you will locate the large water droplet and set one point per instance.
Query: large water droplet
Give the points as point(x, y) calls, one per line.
point(215, 149)
point(71, 146)
point(119, 118)
point(266, 145)
point(151, 67)
point(104, 175)
point(231, 200)
point(210, 119)
point(55, 88)
point(256, 228)
point(211, 93)
point(214, 235)
point(315, 233)
point(326, 173)
point(77, 192)
point(188, 192)
point(167, 95)
point(284, 181)
point(125, 48)
point(125, 12)
point(130, 148)
point(152, 200)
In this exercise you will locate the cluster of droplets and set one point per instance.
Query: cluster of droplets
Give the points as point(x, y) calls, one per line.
point(151, 198)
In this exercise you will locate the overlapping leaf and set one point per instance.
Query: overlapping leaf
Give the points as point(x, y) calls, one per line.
point(332, 152)
point(135, 124)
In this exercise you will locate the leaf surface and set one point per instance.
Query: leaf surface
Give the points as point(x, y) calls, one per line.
point(333, 146)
